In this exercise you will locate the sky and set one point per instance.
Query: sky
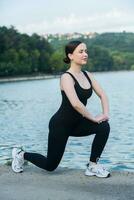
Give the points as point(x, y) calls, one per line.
point(59, 16)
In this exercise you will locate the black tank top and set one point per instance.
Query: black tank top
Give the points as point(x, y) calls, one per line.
point(66, 115)
point(83, 94)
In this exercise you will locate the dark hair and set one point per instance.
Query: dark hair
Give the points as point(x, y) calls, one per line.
point(69, 48)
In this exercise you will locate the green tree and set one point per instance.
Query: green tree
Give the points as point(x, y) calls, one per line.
point(100, 58)
point(35, 54)
point(57, 64)
point(132, 67)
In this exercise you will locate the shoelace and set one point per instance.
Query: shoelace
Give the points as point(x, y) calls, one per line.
point(19, 158)
point(98, 168)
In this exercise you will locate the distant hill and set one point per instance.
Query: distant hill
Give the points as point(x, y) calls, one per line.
point(21, 54)
point(122, 41)
point(115, 41)
point(107, 51)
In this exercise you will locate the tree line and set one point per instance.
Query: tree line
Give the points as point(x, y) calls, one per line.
point(21, 54)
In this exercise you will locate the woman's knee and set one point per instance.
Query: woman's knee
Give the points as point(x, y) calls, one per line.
point(107, 125)
point(51, 168)
point(104, 127)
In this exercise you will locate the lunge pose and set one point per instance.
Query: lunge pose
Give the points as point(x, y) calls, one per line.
point(73, 118)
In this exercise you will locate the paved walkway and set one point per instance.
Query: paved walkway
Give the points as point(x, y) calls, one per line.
point(64, 184)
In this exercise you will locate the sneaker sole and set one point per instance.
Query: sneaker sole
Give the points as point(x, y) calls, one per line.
point(14, 152)
point(13, 168)
point(99, 176)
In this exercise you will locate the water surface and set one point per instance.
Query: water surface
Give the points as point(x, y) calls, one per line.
point(27, 106)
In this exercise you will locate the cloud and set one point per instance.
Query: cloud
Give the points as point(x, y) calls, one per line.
point(114, 20)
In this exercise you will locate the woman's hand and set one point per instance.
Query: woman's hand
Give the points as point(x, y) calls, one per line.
point(101, 118)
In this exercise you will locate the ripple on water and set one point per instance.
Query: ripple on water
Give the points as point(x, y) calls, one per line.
point(26, 107)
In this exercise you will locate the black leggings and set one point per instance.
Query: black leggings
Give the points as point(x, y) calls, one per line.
point(57, 140)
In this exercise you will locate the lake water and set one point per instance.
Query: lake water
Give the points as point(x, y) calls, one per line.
point(27, 106)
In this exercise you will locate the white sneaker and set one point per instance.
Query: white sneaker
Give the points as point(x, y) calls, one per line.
point(18, 160)
point(97, 170)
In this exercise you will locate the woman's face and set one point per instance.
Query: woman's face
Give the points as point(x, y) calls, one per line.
point(79, 55)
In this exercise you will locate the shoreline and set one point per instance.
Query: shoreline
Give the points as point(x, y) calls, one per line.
point(27, 78)
point(45, 76)
point(64, 184)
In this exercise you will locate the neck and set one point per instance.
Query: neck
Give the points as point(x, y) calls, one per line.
point(75, 68)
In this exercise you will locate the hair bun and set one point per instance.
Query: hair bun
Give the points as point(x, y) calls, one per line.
point(66, 60)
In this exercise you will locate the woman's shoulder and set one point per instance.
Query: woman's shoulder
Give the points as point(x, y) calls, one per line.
point(89, 74)
point(66, 77)
point(66, 80)
point(65, 74)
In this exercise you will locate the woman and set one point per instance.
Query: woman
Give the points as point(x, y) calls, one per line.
point(73, 118)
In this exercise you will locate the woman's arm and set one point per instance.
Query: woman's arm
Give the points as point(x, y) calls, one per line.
point(67, 84)
point(101, 94)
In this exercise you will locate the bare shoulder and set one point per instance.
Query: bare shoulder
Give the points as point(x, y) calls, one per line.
point(90, 75)
point(66, 77)
point(66, 81)
point(96, 85)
